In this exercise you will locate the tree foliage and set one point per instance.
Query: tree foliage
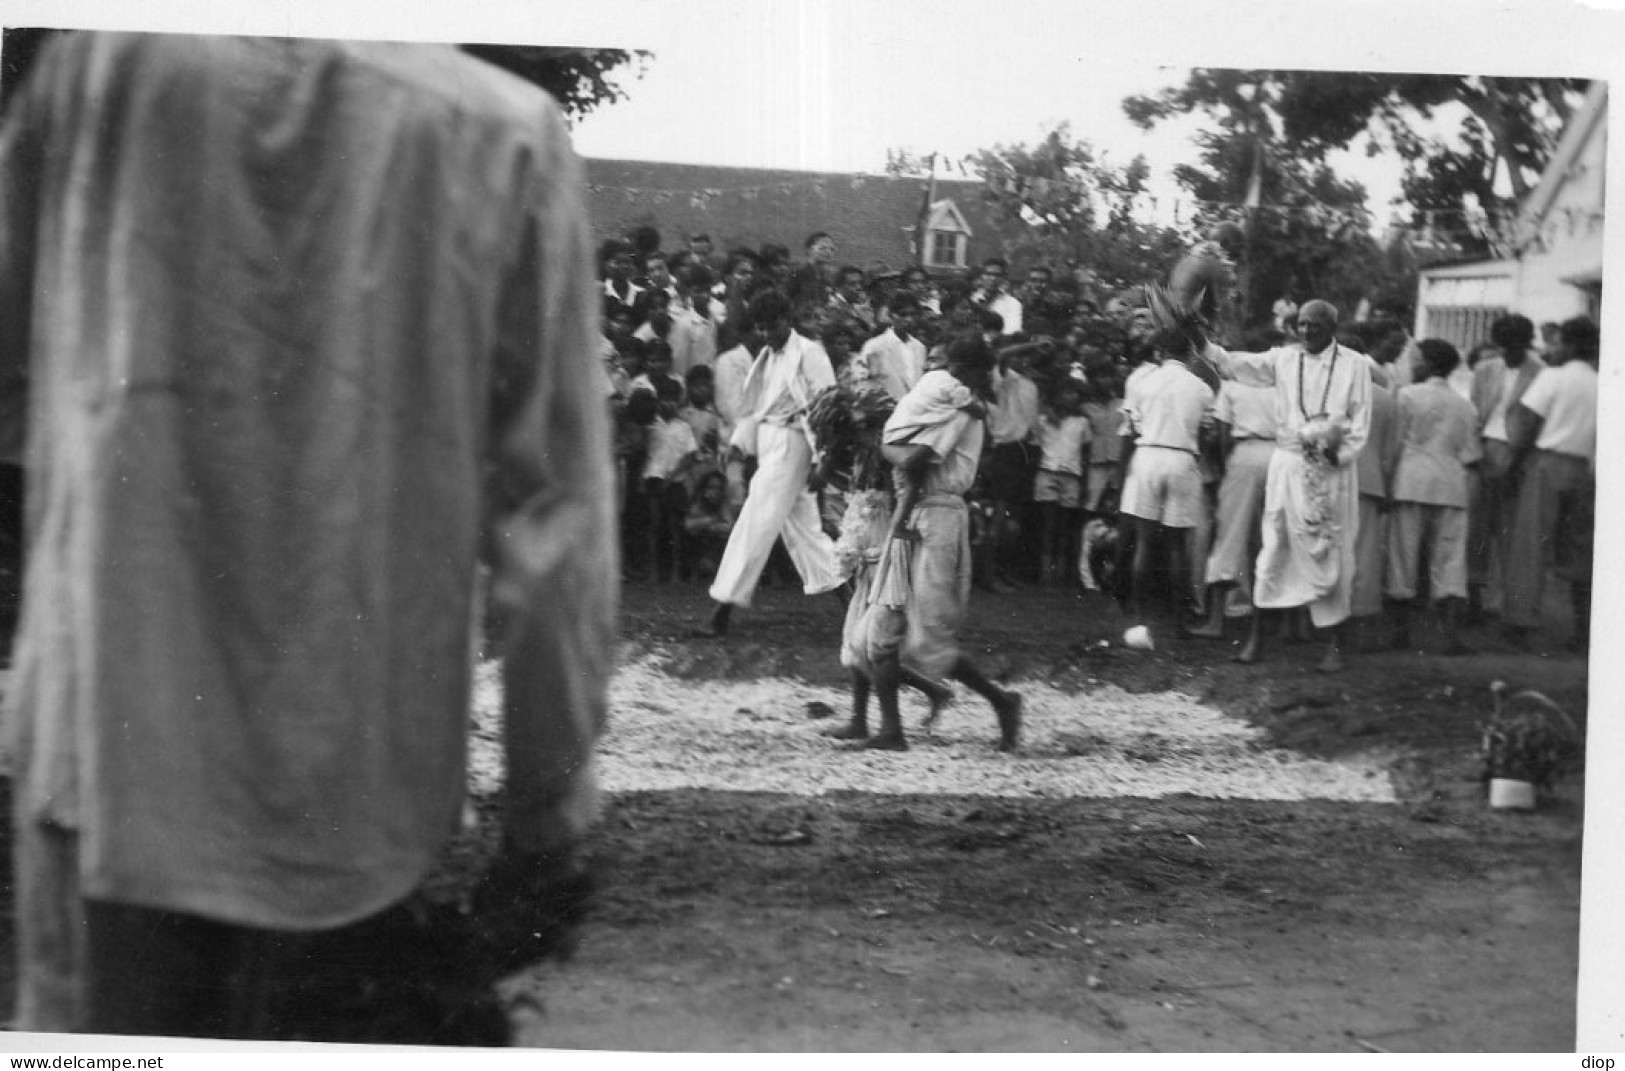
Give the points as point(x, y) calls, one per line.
point(580, 79)
point(1472, 146)
point(1079, 208)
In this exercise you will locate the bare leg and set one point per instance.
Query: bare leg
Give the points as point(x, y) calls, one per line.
point(938, 694)
point(1006, 704)
point(1253, 650)
point(1450, 613)
point(1400, 610)
point(887, 674)
point(1179, 569)
point(1144, 532)
point(858, 727)
point(1213, 627)
point(1332, 660)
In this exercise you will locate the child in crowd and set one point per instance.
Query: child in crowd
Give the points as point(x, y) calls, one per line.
point(700, 413)
point(1063, 455)
point(671, 455)
point(1162, 485)
point(632, 434)
point(1102, 487)
point(705, 528)
point(657, 370)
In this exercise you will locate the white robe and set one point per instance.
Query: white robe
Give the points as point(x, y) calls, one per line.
point(1311, 514)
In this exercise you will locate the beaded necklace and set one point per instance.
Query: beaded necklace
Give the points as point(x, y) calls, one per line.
point(1326, 389)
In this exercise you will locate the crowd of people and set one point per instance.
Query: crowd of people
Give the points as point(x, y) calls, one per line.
point(1122, 453)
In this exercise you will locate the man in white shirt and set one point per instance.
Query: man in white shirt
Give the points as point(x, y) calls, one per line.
point(990, 293)
point(1311, 512)
point(789, 372)
point(895, 358)
point(1162, 482)
point(1553, 429)
point(1009, 464)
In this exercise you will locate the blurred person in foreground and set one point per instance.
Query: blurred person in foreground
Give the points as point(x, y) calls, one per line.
point(298, 333)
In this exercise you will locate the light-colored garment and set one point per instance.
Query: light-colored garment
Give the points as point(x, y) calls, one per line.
point(693, 339)
point(1437, 532)
point(922, 416)
point(1376, 462)
point(1164, 485)
point(1167, 407)
point(921, 590)
point(1014, 411)
point(1249, 410)
point(1552, 530)
point(1241, 509)
point(1311, 517)
point(730, 371)
point(1061, 442)
point(670, 442)
point(1438, 439)
point(1565, 398)
point(1496, 387)
point(780, 385)
point(777, 505)
point(893, 363)
point(275, 411)
point(1370, 557)
point(924, 630)
point(1008, 306)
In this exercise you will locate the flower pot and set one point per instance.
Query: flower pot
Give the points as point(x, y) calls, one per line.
point(1507, 794)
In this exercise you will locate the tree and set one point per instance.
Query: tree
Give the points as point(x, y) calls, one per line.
point(1079, 208)
point(580, 79)
point(1472, 146)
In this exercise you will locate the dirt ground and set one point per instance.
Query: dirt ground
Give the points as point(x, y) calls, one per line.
point(731, 921)
point(734, 921)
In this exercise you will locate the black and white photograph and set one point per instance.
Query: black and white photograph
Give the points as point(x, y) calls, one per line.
point(808, 526)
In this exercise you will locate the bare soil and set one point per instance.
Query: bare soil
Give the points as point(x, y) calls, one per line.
point(730, 921)
point(849, 921)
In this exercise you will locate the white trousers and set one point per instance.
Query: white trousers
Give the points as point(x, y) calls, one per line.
point(777, 504)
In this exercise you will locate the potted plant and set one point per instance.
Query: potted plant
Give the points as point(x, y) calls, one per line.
point(1527, 742)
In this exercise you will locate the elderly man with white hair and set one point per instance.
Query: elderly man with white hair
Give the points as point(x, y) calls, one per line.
point(1311, 496)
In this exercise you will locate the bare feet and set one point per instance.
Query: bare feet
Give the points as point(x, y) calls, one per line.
point(886, 742)
point(852, 730)
point(1249, 654)
point(941, 699)
point(1205, 631)
point(1008, 711)
point(1332, 663)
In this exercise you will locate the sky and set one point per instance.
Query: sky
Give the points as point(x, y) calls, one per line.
point(852, 81)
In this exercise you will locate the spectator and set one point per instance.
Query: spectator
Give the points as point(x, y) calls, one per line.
point(261, 701)
point(1553, 428)
point(1438, 440)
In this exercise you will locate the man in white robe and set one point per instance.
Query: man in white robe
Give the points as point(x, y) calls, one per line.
point(1311, 508)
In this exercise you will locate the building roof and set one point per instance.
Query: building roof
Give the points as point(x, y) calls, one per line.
point(871, 217)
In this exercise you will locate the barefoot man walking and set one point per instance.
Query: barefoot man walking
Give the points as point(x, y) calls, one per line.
point(924, 584)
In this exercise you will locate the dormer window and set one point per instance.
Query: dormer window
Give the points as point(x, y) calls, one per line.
point(946, 236)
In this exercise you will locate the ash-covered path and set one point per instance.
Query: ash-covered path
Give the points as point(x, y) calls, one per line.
point(758, 736)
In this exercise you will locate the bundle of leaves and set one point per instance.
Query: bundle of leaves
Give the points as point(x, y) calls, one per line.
point(1527, 738)
point(846, 426)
